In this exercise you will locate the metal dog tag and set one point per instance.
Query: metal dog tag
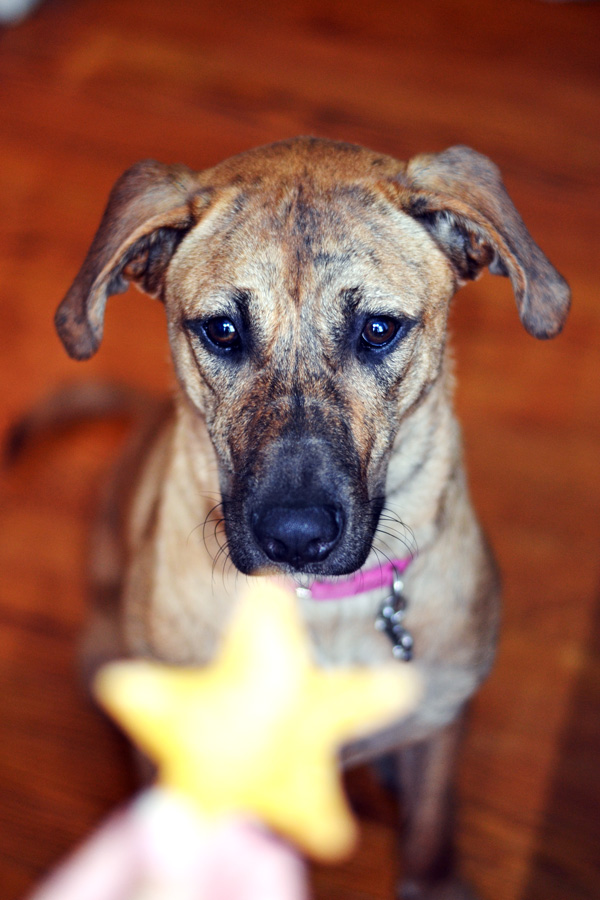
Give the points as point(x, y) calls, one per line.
point(390, 617)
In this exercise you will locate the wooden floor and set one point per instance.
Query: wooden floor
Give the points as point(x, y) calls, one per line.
point(88, 87)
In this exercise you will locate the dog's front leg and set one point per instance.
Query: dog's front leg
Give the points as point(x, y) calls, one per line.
point(426, 772)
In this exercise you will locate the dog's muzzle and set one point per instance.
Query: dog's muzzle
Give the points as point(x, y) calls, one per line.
point(299, 505)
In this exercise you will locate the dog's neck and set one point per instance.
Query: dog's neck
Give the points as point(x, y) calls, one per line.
point(392, 610)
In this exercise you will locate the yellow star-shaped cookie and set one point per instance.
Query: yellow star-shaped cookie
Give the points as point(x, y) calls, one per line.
point(257, 731)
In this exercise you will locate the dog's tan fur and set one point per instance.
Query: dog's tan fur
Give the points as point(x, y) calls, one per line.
point(305, 239)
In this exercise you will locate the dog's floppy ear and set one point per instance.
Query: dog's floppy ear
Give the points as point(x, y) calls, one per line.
point(150, 209)
point(458, 195)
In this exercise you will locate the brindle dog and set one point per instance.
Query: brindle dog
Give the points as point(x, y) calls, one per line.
point(306, 286)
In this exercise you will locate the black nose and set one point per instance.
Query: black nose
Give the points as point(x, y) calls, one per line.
point(298, 535)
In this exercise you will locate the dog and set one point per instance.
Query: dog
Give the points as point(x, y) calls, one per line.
point(306, 287)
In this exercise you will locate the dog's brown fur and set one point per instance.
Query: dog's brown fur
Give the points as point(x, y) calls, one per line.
point(298, 244)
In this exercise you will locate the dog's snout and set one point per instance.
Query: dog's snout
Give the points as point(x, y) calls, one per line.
point(298, 535)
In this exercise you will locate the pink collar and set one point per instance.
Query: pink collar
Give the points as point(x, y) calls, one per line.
point(362, 581)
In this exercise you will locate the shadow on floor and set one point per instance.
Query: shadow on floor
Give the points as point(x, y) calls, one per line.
point(566, 860)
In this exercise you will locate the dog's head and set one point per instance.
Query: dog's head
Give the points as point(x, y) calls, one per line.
point(306, 286)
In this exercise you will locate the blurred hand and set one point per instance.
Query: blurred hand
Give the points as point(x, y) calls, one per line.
point(159, 848)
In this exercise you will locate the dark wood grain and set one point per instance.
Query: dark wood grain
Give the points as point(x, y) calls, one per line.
point(87, 88)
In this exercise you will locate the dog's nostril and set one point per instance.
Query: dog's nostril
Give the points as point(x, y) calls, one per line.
point(298, 535)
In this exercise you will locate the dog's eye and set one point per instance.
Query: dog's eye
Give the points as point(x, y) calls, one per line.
point(222, 333)
point(379, 331)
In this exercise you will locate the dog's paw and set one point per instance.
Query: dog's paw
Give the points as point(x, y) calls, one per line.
point(448, 889)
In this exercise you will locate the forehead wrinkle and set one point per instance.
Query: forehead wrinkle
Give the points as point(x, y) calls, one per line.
point(302, 222)
point(297, 250)
point(316, 248)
